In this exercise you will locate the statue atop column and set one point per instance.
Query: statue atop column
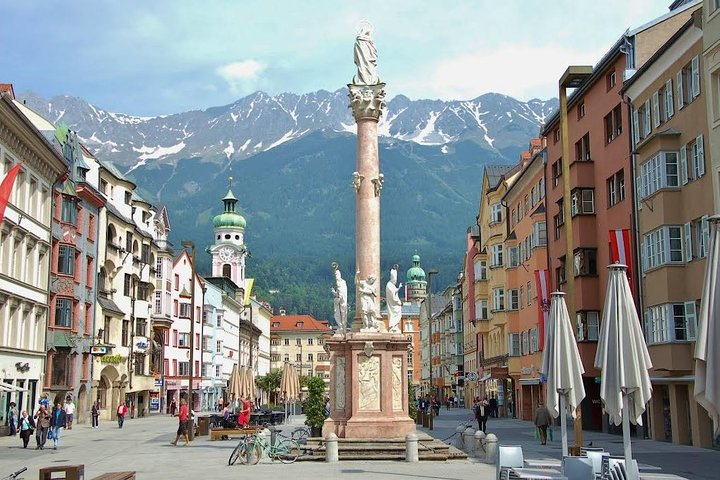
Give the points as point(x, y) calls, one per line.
point(366, 292)
point(365, 56)
point(340, 300)
point(394, 304)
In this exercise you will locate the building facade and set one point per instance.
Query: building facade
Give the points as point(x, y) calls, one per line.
point(711, 73)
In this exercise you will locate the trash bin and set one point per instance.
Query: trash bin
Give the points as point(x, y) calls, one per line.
point(203, 425)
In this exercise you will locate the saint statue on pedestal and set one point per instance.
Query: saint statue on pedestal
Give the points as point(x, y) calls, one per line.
point(394, 304)
point(366, 292)
point(365, 56)
point(340, 300)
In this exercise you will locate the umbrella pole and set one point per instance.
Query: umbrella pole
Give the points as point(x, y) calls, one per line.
point(626, 438)
point(563, 426)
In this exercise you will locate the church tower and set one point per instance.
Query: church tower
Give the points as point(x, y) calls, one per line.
point(416, 285)
point(229, 251)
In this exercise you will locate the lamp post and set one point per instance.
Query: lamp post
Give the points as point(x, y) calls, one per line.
point(573, 77)
point(431, 272)
point(190, 245)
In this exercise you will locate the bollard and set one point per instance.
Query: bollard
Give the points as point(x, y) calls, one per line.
point(479, 443)
point(469, 441)
point(411, 447)
point(490, 448)
point(331, 448)
point(459, 437)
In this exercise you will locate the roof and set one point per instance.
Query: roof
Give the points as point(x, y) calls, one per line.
point(495, 173)
point(297, 323)
point(109, 305)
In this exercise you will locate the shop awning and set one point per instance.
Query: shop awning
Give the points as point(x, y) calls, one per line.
point(529, 381)
point(484, 378)
point(6, 387)
point(666, 380)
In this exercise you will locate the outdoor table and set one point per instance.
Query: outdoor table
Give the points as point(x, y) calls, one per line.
point(535, 474)
point(543, 464)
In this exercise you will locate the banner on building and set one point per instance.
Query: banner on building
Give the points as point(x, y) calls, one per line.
point(620, 249)
point(542, 286)
point(6, 188)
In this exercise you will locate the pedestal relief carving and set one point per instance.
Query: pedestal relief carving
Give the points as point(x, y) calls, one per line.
point(397, 383)
point(369, 378)
point(340, 383)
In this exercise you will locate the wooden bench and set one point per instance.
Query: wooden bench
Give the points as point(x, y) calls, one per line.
point(220, 433)
point(116, 476)
point(72, 472)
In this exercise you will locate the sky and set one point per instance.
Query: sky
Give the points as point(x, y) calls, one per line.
point(167, 56)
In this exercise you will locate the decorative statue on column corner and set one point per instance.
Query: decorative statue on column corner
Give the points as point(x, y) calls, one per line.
point(366, 291)
point(394, 304)
point(340, 300)
point(365, 56)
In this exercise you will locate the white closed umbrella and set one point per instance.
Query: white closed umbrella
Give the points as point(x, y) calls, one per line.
point(623, 357)
point(707, 369)
point(562, 366)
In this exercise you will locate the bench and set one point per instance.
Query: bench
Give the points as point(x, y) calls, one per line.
point(221, 433)
point(72, 472)
point(116, 476)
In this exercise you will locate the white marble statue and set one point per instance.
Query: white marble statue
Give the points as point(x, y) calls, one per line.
point(394, 304)
point(340, 300)
point(365, 57)
point(366, 292)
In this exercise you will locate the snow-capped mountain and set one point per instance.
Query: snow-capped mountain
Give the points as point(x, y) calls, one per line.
point(260, 122)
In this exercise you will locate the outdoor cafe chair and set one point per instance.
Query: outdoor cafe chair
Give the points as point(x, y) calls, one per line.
point(596, 457)
point(508, 456)
point(578, 468)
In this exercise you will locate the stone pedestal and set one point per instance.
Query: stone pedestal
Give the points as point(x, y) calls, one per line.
point(368, 386)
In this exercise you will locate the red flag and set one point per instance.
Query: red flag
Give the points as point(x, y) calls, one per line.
point(620, 248)
point(542, 285)
point(6, 187)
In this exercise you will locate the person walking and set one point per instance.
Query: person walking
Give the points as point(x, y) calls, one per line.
point(26, 427)
point(42, 422)
point(69, 413)
point(58, 420)
point(493, 404)
point(121, 412)
point(173, 407)
point(95, 414)
point(542, 420)
point(12, 418)
point(182, 424)
point(482, 411)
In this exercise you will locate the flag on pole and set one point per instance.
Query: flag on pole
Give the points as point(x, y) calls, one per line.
point(620, 248)
point(6, 187)
point(542, 286)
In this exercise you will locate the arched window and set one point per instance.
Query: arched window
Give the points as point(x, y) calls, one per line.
point(226, 270)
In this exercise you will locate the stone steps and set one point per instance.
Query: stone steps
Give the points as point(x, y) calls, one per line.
point(429, 449)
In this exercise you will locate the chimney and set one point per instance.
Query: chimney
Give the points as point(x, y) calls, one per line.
point(7, 88)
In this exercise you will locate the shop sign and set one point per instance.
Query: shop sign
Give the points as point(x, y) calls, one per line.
point(112, 359)
point(98, 350)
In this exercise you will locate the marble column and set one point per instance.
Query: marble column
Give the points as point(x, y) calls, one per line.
point(366, 102)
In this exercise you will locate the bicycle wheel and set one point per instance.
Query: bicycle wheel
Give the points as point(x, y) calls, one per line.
point(300, 435)
point(253, 452)
point(287, 451)
point(238, 452)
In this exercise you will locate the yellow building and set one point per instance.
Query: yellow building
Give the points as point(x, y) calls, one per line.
point(300, 340)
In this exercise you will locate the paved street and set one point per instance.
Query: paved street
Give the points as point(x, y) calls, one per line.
point(143, 445)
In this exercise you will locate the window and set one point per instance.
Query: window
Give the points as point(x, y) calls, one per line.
point(218, 346)
point(585, 262)
point(588, 326)
point(185, 310)
point(514, 299)
point(128, 198)
point(698, 157)
point(513, 258)
point(616, 188)
point(61, 367)
point(539, 235)
point(557, 172)
point(669, 102)
point(183, 369)
point(702, 227)
point(610, 80)
point(529, 293)
point(671, 322)
point(275, 342)
point(480, 270)
point(287, 341)
point(63, 312)
point(556, 135)
point(662, 246)
point(68, 212)
point(66, 260)
point(286, 357)
point(559, 219)
point(298, 341)
point(514, 344)
point(583, 202)
point(183, 340)
point(582, 149)
point(481, 310)
point(298, 357)
point(310, 357)
point(219, 321)
point(498, 299)
point(497, 255)
point(309, 341)
point(126, 333)
point(522, 296)
point(688, 82)
point(495, 213)
point(661, 171)
point(560, 273)
point(581, 110)
point(656, 113)
point(140, 327)
point(613, 124)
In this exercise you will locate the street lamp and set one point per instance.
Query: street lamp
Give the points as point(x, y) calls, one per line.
point(431, 272)
point(190, 245)
point(573, 77)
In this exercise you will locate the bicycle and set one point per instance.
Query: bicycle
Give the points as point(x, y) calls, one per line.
point(15, 475)
point(251, 449)
point(300, 435)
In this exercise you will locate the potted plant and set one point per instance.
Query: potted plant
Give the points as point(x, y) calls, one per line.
point(314, 405)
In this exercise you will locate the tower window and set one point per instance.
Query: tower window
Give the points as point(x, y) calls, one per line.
point(227, 236)
point(237, 237)
point(226, 270)
point(218, 237)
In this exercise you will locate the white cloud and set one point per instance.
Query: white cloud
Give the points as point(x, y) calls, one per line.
point(241, 76)
point(521, 71)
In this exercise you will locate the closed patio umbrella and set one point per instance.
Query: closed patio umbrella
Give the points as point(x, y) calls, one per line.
point(234, 383)
point(623, 357)
point(562, 366)
point(289, 385)
point(707, 371)
point(247, 383)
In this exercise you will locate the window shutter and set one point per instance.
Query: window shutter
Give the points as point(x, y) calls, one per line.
point(688, 242)
point(656, 109)
point(648, 328)
point(669, 101)
point(700, 155)
point(636, 127)
point(705, 228)
point(690, 320)
point(695, 79)
point(683, 166)
point(680, 99)
point(640, 192)
point(647, 120)
point(644, 256)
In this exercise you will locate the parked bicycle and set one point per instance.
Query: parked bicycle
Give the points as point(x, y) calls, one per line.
point(300, 435)
point(252, 447)
point(15, 475)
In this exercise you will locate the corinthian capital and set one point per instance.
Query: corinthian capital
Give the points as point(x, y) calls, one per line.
point(367, 101)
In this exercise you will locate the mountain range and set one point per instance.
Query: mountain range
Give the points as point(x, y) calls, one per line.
point(292, 157)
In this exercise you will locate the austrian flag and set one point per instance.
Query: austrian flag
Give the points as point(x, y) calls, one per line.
point(620, 248)
point(6, 188)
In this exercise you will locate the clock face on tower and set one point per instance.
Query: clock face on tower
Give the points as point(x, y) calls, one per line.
point(226, 254)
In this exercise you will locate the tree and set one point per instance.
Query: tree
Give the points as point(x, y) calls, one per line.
point(315, 404)
point(270, 383)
